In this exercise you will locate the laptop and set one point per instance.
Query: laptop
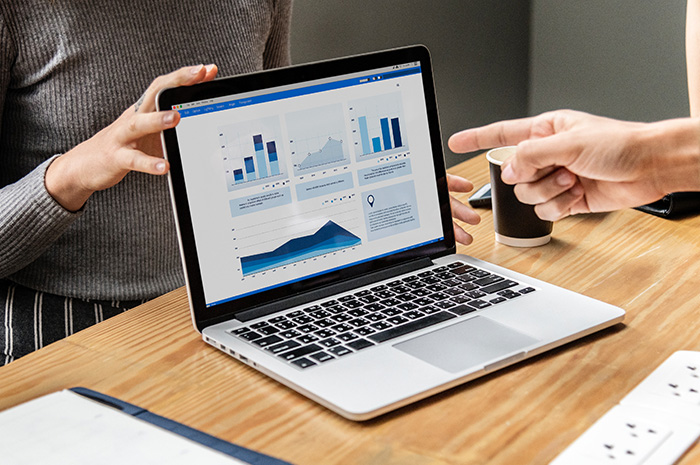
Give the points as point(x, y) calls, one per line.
point(315, 229)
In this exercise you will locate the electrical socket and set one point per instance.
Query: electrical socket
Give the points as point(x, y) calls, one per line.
point(654, 424)
point(673, 387)
point(683, 384)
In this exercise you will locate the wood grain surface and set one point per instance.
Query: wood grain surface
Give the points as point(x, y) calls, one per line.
point(525, 414)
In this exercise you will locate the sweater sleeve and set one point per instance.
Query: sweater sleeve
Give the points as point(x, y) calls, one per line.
point(30, 219)
point(277, 52)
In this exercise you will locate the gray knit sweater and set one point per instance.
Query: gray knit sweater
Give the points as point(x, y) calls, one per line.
point(68, 68)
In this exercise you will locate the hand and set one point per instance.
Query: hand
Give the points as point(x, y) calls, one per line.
point(568, 162)
point(131, 143)
point(461, 211)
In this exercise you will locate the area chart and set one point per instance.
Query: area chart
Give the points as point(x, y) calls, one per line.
point(329, 238)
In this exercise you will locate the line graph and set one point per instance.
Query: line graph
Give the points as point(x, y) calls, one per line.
point(317, 139)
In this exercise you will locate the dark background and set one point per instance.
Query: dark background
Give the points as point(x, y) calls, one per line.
point(498, 59)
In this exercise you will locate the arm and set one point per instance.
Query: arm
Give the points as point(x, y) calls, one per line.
point(692, 54)
point(30, 219)
point(570, 162)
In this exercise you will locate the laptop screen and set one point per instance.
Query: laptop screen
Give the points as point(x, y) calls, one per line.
point(292, 182)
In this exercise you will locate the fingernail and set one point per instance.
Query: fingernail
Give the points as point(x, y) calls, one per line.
point(209, 67)
point(507, 175)
point(160, 166)
point(168, 118)
point(196, 69)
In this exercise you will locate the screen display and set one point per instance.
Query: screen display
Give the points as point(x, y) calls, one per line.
point(300, 180)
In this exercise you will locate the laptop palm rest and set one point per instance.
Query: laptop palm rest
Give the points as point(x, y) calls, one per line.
point(467, 344)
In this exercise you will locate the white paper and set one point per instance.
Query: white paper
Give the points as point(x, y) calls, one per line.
point(66, 428)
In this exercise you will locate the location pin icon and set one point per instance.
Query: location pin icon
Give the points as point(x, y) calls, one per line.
point(370, 200)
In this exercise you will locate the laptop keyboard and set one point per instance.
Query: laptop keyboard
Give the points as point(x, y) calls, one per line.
point(340, 327)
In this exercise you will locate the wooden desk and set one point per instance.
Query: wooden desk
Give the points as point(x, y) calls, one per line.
point(525, 414)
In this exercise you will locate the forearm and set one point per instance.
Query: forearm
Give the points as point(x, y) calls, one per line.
point(30, 221)
point(674, 148)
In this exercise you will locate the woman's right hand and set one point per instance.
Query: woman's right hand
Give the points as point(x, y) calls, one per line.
point(131, 143)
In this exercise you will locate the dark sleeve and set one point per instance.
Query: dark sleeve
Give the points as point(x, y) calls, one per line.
point(277, 52)
point(30, 219)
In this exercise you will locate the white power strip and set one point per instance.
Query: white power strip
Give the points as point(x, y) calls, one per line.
point(653, 425)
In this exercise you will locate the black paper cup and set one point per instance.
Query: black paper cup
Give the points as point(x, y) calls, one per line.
point(515, 223)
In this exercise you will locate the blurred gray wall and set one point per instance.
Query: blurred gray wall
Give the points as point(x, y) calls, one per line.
point(498, 59)
point(618, 58)
point(479, 48)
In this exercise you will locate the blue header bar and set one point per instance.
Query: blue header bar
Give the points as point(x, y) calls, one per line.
point(236, 103)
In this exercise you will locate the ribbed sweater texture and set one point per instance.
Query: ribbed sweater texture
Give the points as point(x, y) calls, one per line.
point(69, 68)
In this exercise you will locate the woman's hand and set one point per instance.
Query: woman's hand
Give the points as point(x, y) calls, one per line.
point(461, 211)
point(131, 143)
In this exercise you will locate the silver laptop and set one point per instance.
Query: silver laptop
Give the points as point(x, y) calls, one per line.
point(316, 235)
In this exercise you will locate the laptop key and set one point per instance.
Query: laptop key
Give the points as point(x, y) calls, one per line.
point(268, 330)
point(283, 347)
point(499, 286)
point(381, 325)
point(290, 334)
point(266, 341)
point(397, 320)
point(347, 337)
point(250, 336)
point(364, 331)
point(322, 357)
point(478, 303)
point(462, 309)
point(308, 339)
point(498, 300)
point(330, 342)
point(445, 304)
point(285, 325)
point(339, 351)
point(408, 328)
point(488, 280)
point(360, 344)
point(300, 352)
point(430, 309)
point(325, 333)
point(303, 363)
point(527, 290)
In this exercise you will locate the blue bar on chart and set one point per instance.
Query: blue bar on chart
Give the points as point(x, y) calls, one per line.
point(396, 130)
point(364, 135)
point(249, 168)
point(386, 136)
point(238, 176)
point(272, 157)
point(377, 144)
point(260, 155)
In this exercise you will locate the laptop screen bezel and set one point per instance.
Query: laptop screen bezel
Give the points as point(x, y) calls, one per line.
point(204, 316)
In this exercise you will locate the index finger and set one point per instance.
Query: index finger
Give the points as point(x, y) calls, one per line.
point(498, 134)
point(186, 76)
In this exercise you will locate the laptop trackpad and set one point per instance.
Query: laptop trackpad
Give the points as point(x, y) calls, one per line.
point(466, 344)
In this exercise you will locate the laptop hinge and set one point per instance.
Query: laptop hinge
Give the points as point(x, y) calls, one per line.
point(333, 289)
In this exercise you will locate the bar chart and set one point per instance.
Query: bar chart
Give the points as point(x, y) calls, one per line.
point(377, 126)
point(250, 153)
point(318, 139)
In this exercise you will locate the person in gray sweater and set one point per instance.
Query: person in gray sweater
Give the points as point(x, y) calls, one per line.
point(86, 230)
point(86, 227)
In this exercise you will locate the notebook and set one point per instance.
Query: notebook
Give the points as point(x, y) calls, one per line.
point(314, 223)
point(80, 426)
